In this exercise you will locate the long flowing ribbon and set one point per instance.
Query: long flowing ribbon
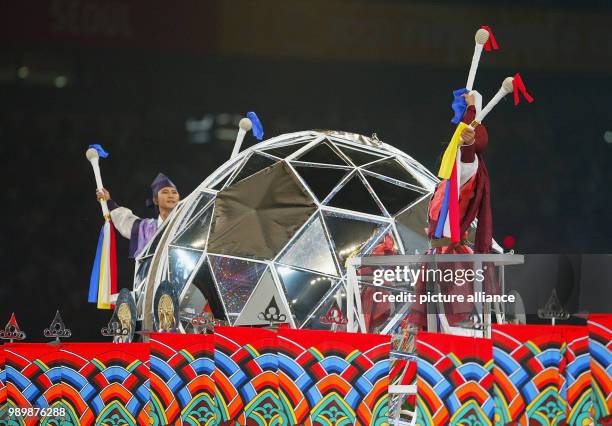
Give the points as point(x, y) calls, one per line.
point(453, 206)
point(519, 88)
point(449, 219)
point(491, 43)
point(104, 284)
point(439, 233)
point(103, 280)
point(450, 155)
point(94, 280)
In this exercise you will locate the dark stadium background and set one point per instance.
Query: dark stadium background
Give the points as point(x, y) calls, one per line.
point(131, 74)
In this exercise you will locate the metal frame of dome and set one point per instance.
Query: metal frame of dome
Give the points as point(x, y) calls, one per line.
point(154, 265)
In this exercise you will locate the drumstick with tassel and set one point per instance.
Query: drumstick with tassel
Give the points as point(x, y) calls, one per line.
point(482, 38)
point(251, 121)
point(103, 280)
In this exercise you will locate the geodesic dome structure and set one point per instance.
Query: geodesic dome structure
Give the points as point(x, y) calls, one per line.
point(271, 229)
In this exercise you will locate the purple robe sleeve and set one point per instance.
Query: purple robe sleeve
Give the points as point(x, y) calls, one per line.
point(142, 232)
point(134, 240)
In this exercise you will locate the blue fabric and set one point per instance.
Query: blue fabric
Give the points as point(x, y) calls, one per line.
point(258, 131)
point(95, 271)
point(459, 105)
point(100, 150)
point(443, 211)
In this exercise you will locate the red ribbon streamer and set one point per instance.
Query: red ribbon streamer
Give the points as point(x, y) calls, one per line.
point(491, 43)
point(519, 86)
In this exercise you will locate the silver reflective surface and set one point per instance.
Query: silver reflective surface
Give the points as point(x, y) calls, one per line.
point(311, 250)
point(356, 183)
point(182, 263)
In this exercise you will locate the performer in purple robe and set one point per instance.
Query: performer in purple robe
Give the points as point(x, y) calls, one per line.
point(164, 196)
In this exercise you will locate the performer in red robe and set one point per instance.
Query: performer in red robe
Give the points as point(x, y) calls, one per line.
point(474, 202)
point(474, 196)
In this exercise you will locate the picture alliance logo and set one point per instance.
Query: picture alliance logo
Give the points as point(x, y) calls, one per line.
point(406, 274)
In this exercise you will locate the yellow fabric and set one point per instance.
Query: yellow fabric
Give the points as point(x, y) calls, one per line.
point(450, 155)
point(103, 283)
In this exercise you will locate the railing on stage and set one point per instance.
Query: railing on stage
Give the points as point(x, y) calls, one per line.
point(355, 314)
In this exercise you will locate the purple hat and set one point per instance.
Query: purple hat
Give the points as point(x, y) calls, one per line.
point(161, 181)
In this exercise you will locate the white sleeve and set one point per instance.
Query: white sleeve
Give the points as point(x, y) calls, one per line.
point(123, 219)
point(468, 170)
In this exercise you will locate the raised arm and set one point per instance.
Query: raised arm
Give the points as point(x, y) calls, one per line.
point(122, 217)
point(474, 140)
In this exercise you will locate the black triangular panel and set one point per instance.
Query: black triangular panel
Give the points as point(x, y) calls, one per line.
point(322, 153)
point(320, 180)
point(203, 280)
point(393, 197)
point(254, 164)
point(355, 196)
point(196, 233)
point(393, 169)
point(358, 157)
point(349, 235)
point(203, 199)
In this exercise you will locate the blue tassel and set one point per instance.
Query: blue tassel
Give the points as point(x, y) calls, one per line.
point(459, 105)
point(258, 131)
point(443, 211)
point(100, 150)
point(95, 271)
